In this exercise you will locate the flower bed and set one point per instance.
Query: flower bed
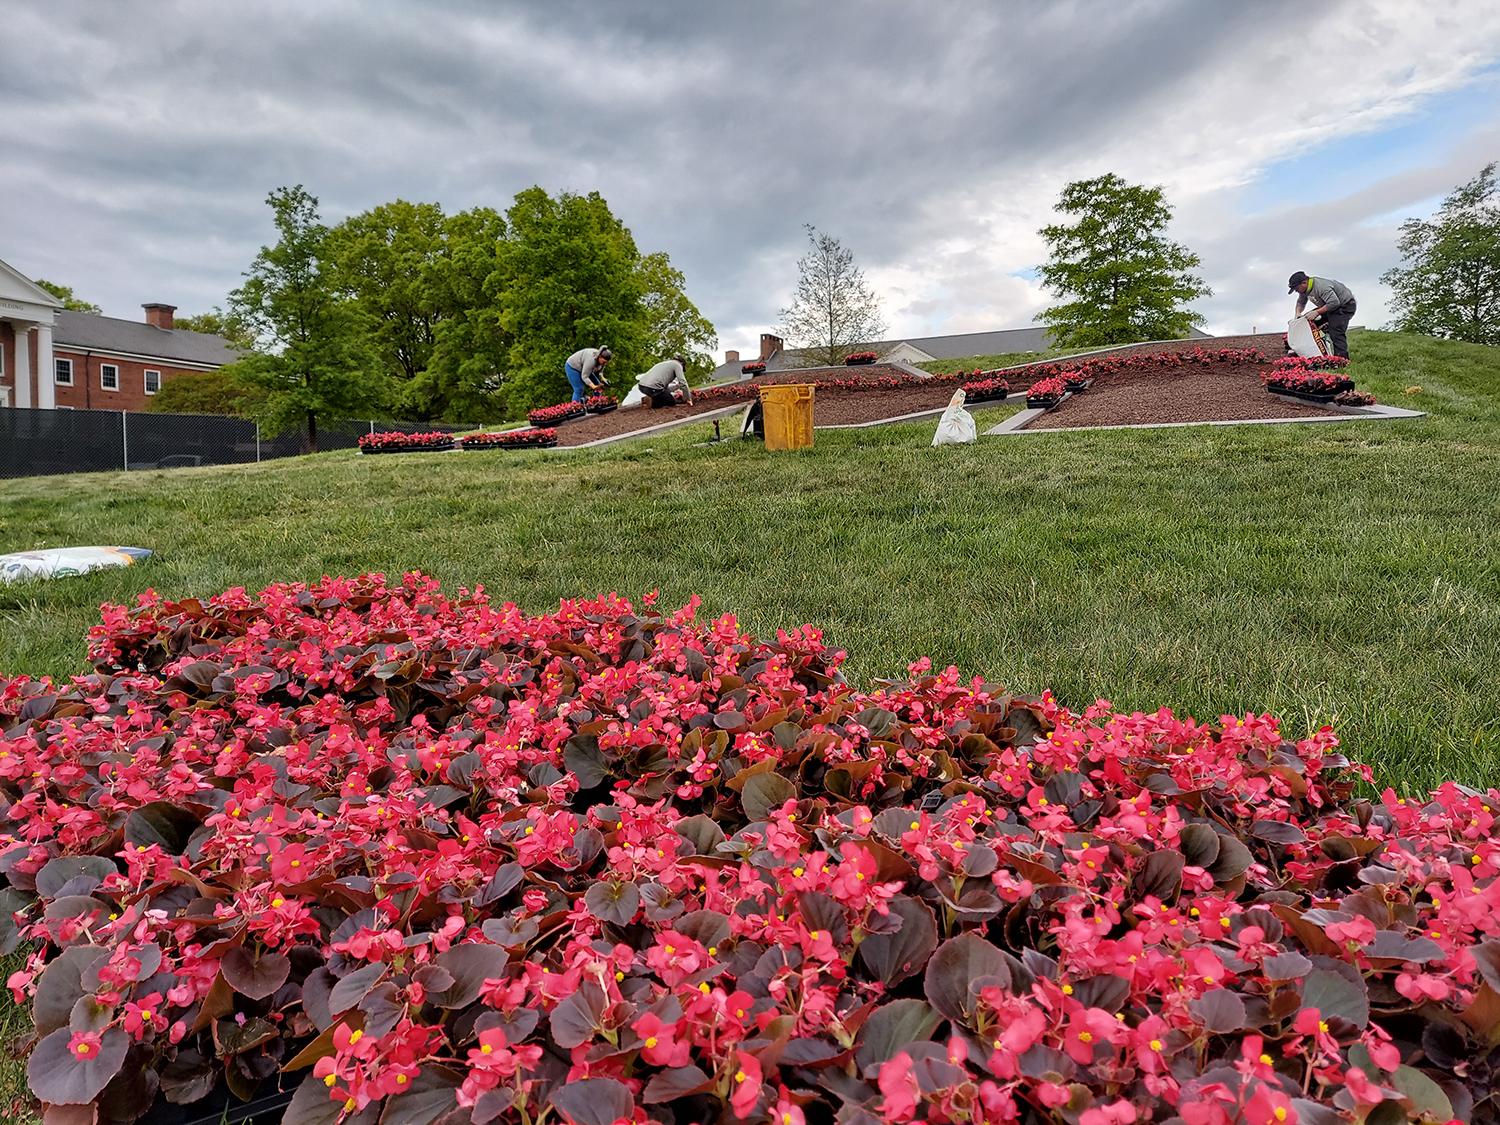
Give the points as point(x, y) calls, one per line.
point(554, 415)
point(600, 404)
point(1046, 393)
point(391, 441)
point(511, 439)
point(1319, 386)
point(856, 359)
point(985, 390)
point(404, 853)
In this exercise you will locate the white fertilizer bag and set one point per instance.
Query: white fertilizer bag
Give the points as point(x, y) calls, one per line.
point(956, 427)
point(1302, 338)
point(63, 562)
point(633, 399)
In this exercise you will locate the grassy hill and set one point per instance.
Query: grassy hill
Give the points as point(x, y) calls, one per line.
point(1334, 573)
point(1338, 573)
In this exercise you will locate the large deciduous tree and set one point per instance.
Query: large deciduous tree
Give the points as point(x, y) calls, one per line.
point(384, 260)
point(674, 326)
point(218, 323)
point(315, 361)
point(572, 279)
point(1450, 284)
point(1122, 279)
point(834, 307)
point(64, 293)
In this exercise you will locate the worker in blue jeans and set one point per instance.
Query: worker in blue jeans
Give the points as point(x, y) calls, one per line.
point(585, 371)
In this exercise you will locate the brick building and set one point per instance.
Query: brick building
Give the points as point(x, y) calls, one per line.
point(53, 357)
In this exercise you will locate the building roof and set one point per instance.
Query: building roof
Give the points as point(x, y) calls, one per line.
point(88, 332)
point(1004, 342)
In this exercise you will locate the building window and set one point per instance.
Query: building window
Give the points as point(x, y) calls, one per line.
point(63, 372)
point(153, 382)
point(109, 377)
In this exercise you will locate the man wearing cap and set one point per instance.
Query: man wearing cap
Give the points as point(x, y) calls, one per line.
point(1333, 307)
point(585, 369)
point(663, 383)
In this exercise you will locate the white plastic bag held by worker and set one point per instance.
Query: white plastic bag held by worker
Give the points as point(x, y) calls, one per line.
point(1302, 338)
point(956, 427)
point(633, 399)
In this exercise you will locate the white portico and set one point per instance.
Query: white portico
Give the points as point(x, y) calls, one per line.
point(27, 314)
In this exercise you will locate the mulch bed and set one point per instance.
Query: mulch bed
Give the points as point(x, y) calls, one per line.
point(1216, 394)
point(841, 407)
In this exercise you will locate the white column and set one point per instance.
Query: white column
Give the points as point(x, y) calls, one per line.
point(46, 375)
point(23, 363)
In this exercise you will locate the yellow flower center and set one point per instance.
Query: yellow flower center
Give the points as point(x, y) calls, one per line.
point(1085, 1036)
point(651, 1041)
point(1323, 1026)
point(83, 1049)
point(1266, 1059)
point(356, 1037)
point(348, 1105)
point(1067, 990)
point(703, 988)
point(815, 934)
point(1155, 1044)
point(400, 1080)
point(797, 871)
point(1280, 1113)
point(277, 903)
point(486, 1049)
point(741, 1076)
point(330, 1080)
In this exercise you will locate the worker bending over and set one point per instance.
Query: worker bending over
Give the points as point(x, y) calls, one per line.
point(1333, 307)
point(661, 384)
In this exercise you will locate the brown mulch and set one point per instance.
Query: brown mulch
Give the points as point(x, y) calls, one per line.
point(1212, 394)
point(833, 407)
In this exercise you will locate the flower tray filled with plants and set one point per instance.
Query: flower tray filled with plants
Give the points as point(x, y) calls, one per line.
point(511, 439)
point(394, 442)
point(1076, 381)
point(1045, 393)
point(986, 390)
point(402, 856)
point(859, 359)
point(600, 404)
point(544, 416)
point(756, 368)
point(1311, 386)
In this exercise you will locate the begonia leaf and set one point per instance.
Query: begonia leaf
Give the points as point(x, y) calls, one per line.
point(614, 902)
point(702, 832)
point(896, 956)
point(1334, 995)
point(708, 928)
point(256, 975)
point(675, 1082)
point(956, 970)
point(351, 988)
point(162, 824)
point(1425, 1096)
point(585, 762)
point(471, 964)
point(891, 1028)
point(433, 1093)
point(1286, 966)
point(61, 985)
point(764, 793)
point(1200, 845)
point(1219, 1010)
point(187, 1078)
point(1233, 859)
point(57, 1075)
point(79, 874)
point(578, 1017)
point(593, 1101)
point(1160, 876)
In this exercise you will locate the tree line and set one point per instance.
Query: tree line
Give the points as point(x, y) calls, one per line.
point(1120, 279)
point(404, 311)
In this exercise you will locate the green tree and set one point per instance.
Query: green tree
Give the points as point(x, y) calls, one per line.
point(471, 348)
point(834, 308)
point(1450, 285)
point(1122, 279)
point(571, 279)
point(384, 260)
point(64, 294)
point(218, 323)
point(674, 326)
point(212, 392)
point(315, 361)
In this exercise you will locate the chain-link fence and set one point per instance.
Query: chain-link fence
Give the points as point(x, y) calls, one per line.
point(43, 442)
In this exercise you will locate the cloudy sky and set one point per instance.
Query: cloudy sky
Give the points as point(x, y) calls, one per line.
point(141, 138)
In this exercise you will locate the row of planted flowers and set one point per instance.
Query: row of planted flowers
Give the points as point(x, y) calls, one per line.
point(1318, 379)
point(566, 411)
point(396, 442)
point(427, 859)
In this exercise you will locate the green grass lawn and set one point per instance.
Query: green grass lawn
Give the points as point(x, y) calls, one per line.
point(1342, 573)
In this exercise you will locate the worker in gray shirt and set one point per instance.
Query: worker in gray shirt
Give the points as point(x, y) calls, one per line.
point(660, 383)
point(1333, 307)
point(585, 371)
